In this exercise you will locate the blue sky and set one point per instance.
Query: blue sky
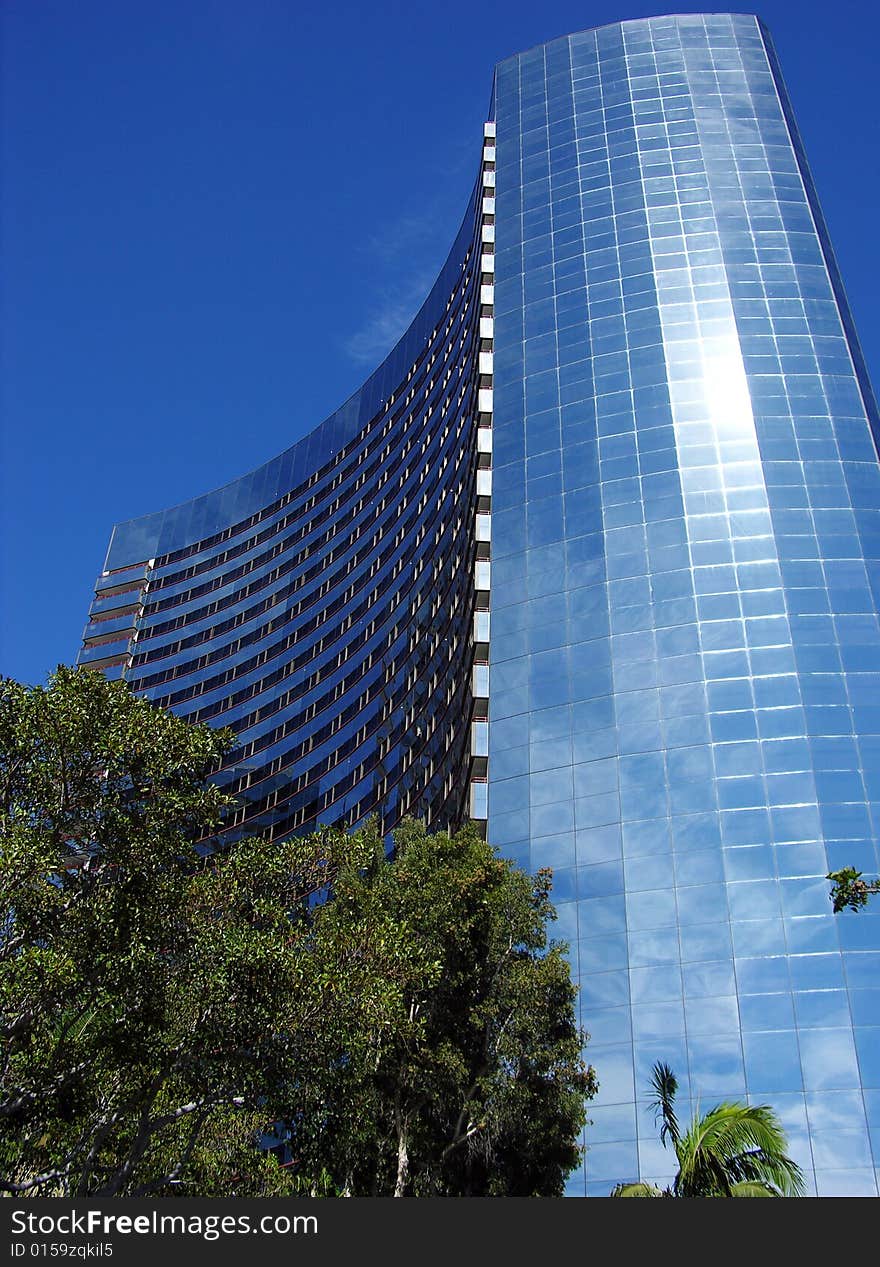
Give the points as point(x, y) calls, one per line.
point(217, 217)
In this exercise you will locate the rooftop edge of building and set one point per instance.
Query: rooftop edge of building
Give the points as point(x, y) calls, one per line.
point(686, 19)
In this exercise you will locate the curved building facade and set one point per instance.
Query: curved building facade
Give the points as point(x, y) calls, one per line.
point(640, 360)
point(325, 606)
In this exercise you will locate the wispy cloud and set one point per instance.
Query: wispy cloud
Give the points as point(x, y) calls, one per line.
point(388, 320)
point(406, 254)
point(404, 236)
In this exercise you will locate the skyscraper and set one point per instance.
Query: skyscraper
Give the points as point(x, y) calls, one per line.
point(635, 398)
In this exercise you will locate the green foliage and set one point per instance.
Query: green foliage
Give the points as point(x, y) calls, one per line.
point(639, 1190)
point(466, 1076)
point(733, 1150)
point(138, 985)
point(849, 890)
point(162, 1011)
point(226, 1160)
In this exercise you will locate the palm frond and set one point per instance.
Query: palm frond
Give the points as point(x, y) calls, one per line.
point(772, 1168)
point(665, 1084)
point(637, 1190)
point(752, 1189)
point(736, 1142)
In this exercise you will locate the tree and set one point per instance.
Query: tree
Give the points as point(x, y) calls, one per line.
point(477, 1086)
point(168, 1012)
point(138, 984)
point(733, 1150)
point(850, 890)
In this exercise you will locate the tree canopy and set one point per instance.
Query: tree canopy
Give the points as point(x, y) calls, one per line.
point(133, 1005)
point(165, 1009)
point(477, 1086)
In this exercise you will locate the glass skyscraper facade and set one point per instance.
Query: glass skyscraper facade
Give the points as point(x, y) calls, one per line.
point(635, 402)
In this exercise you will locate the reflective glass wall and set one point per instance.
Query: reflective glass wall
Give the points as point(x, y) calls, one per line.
point(685, 651)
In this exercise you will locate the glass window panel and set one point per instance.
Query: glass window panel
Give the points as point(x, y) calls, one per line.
point(868, 1044)
point(716, 1065)
point(828, 1058)
point(707, 979)
point(759, 936)
point(651, 909)
point(612, 1122)
point(656, 984)
point(705, 942)
point(716, 1015)
point(605, 989)
point(772, 1060)
point(816, 972)
point(865, 1006)
point(654, 946)
point(821, 1008)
